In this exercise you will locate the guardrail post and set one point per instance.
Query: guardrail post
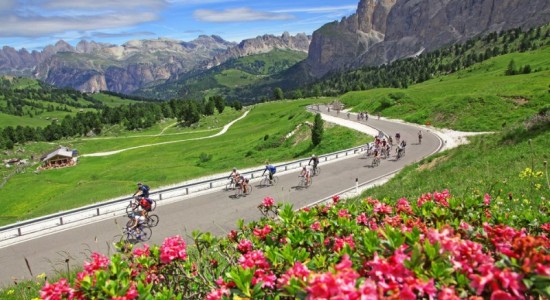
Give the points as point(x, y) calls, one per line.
point(210, 184)
point(98, 211)
point(326, 158)
point(336, 155)
point(252, 175)
point(286, 167)
point(60, 220)
point(19, 231)
point(187, 191)
point(160, 196)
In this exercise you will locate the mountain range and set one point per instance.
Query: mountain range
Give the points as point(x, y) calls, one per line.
point(381, 31)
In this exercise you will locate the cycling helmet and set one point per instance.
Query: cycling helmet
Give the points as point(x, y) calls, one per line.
point(312, 155)
point(139, 183)
point(234, 169)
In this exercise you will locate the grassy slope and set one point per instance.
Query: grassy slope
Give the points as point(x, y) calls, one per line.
point(479, 98)
point(260, 137)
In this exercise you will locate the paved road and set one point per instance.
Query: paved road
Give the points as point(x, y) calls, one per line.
point(215, 212)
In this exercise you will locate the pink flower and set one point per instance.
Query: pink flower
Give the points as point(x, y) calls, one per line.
point(58, 290)
point(447, 293)
point(262, 233)
point(382, 208)
point(501, 295)
point(253, 259)
point(131, 294)
point(244, 246)
point(340, 285)
point(298, 272)
point(172, 248)
point(218, 294)
point(316, 226)
point(232, 235)
point(361, 219)
point(268, 202)
point(99, 262)
point(487, 199)
point(343, 213)
point(545, 227)
point(265, 277)
point(335, 198)
point(404, 206)
point(142, 251)
point(340, 242)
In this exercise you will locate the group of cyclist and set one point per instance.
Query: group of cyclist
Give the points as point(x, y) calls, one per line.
point(381, 147)
point(239, 181)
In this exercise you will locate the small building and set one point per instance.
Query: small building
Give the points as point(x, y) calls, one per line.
point(62, 157)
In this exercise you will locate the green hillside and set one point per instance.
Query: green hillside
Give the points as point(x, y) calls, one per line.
point(478, 98)
point(229, 78)
point(28, 102)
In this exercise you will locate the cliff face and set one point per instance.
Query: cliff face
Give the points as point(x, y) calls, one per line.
point(262, 44)
point(335, 45)
point(383, 31)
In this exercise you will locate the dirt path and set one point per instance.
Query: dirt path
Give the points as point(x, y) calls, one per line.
point(224, 130)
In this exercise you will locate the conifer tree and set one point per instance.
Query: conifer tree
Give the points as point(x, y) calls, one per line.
point(317, 130)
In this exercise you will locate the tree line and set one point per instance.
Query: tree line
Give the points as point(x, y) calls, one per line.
point(135, 116)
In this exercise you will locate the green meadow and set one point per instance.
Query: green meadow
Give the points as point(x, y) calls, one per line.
point(479, 98)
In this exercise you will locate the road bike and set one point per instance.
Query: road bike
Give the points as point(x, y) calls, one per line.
point(316, 171)
point(400, 153)
point(240, 191)
point(230, 185)
point(303, 182)
point(375, 162)
point(140, 234)
point(152, 220)
point(135, 205)
point(266, 182)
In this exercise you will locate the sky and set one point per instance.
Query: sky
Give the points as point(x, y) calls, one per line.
point(34, 24)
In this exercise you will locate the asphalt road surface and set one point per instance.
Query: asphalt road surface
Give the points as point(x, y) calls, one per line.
point(215, 212)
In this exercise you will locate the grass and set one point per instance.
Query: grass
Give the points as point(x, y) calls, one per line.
point(480, 98)
point(260, 135)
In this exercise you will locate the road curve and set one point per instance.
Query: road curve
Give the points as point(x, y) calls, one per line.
point(215, 212)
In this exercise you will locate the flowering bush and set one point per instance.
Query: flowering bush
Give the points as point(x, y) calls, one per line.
point(436, 247)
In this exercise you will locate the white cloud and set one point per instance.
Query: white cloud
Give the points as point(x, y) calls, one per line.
point(322, 9)
point(40, 26)
point(105, 4)
point(238, 15)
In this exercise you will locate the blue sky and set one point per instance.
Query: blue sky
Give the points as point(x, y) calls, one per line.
point(33, 24)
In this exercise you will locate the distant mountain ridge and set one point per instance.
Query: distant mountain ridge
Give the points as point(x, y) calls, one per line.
point(92, 66)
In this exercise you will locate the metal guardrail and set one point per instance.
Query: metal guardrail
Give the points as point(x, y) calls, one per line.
point(117, 206)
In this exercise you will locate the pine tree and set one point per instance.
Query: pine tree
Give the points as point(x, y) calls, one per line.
point(317, 130)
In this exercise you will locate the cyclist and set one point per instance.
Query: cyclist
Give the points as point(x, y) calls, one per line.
point(315, 161)
point(143, 190)
point(397, 137)
point(271, 170)
point(401, 148)
point(420, 136)
point(234, 175)
point(306, 172)
point(138, 219)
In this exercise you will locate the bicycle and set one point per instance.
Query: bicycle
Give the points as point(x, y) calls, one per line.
point(231, 184)
point(135, 205)
point(375, 162)
point(316, 171)
point(400, 153)
point(152, 220)
point(131, 234)
point(240, 192)
point(266, 182)
point(303, 182)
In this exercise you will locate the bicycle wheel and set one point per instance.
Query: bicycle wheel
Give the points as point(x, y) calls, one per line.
point(153, 205)
point(145, 234)
point(229, 186)
point(264, 182)
point(130, 208)
point(275, 180)
point(152, 220)
point(249, 189)
point(129, 223)
point(317, 171)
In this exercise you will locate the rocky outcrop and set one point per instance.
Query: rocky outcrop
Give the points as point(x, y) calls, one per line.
point(336, 45)
point(385, 30)
point(262, 44)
